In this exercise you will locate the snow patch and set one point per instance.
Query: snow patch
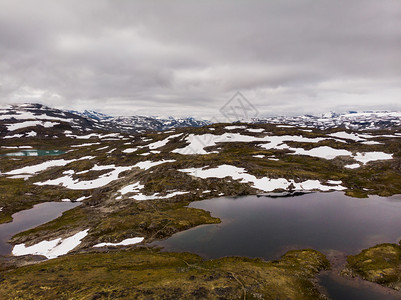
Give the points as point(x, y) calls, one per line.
point(256, 130)
point(125, 242)
point(129, 150)
point(15, 126)
point(352, 166)
point(51, 249)
point(145, 165)
point(264, 184)
point(45, 165)
point(76, 184)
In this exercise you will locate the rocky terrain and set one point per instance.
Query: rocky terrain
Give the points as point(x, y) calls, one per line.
point(135, 187)
point(353, 120)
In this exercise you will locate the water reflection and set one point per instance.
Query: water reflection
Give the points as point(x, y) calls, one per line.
point(30, 218)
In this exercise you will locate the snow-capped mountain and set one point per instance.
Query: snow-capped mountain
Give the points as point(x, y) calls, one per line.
point(31, 120)
point(36, 120)
point(141, 123)
point(367, 120)
point(133, 124)
point(91, 114)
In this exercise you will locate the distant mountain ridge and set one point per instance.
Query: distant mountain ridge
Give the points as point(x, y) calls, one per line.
point(37, 120)
point(32, 119)
point(132, 124)
point(353, 120)
point(91, 114)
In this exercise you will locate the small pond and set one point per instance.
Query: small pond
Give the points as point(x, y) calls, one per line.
point(30, 218)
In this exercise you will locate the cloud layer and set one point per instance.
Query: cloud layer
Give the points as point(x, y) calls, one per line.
point(190, 57)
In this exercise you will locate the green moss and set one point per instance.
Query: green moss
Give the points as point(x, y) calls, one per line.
point(380, 264)
point(143, 273)
point(151, 221)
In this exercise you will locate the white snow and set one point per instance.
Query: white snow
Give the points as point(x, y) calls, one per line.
point(325, 152)
point(162, 143)
point(45, 165)
point(102, 148)
point(197, 143)
point(25, 115)
point(81, 198)
point(85, 145)
point(256, 130)
point(372, 156)
point(91, 135)
point(142, 197)
point(31, 134)
point(145, 165)
point(25, 177)
point(264, 184)
point(132, 188)
point(334, 181)
point(277, 142)
point(258, 156)
point(345, 135)
point(129, 150)
point(75, 184)
point(352, 166)
point(14, 136)
point(125, 242)
point(51, 249)
point(234, 127)
point(371, 143)
point(15, 126)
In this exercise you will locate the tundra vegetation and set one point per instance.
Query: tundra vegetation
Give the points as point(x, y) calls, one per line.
point(149, 197)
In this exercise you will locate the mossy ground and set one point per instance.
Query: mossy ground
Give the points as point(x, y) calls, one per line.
point(150, 274)
point(380, 264)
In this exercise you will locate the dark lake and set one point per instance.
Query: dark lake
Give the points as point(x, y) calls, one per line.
point(30, 218)
point(267, 227)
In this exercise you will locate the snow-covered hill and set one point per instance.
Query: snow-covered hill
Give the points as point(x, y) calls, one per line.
point(134, 124)
point(367, 120)
point(36, 120)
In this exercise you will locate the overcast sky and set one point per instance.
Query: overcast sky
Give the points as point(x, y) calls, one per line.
point(190, 57)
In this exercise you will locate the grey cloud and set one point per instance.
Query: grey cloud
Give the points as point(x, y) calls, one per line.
point(189, 57)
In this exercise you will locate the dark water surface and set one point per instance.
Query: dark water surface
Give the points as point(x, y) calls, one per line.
point(30, 218)
point(344, 289)
point(267, 227)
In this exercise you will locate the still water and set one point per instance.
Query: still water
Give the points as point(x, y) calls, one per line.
point(267, 227)
point(30, 218)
